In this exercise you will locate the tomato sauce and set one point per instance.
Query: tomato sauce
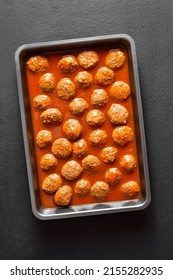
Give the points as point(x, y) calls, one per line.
point(121, 74)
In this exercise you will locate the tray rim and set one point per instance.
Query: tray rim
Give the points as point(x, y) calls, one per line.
point(104, 38)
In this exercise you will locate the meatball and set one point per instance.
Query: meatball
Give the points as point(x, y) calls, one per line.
point(99, 97)
point(44, 138)
point(122, 135)
point(47, 82)
point(72, 129)
point(120, 90)
point(100, 190)
point(48, 162)
point(128, 163)
point(63, 196)
point(109, 154)
point(104, 76)
point(91, 163)
point(130, 189)
point(95, 117)
point(71, 170)
point(98, 137)
point(118, 114)
point(80, 148)
point(66, 89)
point(68, 64)
point(42, 102)
point(113, 176)
point(51, 116)
point(115, 59)
point(82, 188)
point(83, 79)
point(78, 106)
point(37, 64)
point(88, 59)
point(51, 183)
point(61, 148)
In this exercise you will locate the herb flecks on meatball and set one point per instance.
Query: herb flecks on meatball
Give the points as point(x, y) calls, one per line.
point(47, 82)
point(100, 190)
point(61, 148)
point(98, 137)
point(44, 138)
point(95, 118)
point(63, 196)
point(120, 90)
point(78, 106)
point(113, 176)
point(51, 116)
point(51, 183)
point(91, 163)
point(104, 76)
point(82, 187)
point(115, 59)
point(99, 98)
point(71, 170)
point(130, 189)
point(42, 102)
point(66, 89)
point(68, 64)
point(88, 59)
point(118, 114)
point(37, 64)
point(72, 129)
point(48, 162)
point(122, 135)
point(83, 79)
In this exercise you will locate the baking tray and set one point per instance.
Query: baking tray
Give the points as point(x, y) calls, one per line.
point(95, 208)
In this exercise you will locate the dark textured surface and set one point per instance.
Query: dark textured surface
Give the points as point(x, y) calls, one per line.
point(138, 235)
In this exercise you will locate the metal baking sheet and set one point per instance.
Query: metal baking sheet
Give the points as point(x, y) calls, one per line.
point(95, 208)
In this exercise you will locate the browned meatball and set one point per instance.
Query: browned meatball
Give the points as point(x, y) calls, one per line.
point(51, 183)
point(51, 116)
point(78, 106)
point(80, 148)
point(71, 170)
point(63, 196)
point(120, 90)
point(113, 176)
point(72, 129)
point(95, 117)
point(91, 163)
point(100, 190)
point(104, 76)
point(115, 59)
point(88, 59)
point(37, 63)
point(130, 189)
point(44, 138)
point(48, 162)
point(42, 102)
point(99, 97)
point(68, 64)
point(98, 137)
point(122, 135)
point(66, 89)
point(128, 163)
point(82, 187)
point(83, 79)
point(118, 114)
point(61, 148)
point(109, 154)
point(47, 82)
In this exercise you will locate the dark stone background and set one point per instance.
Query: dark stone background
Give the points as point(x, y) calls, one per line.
point(146, 234)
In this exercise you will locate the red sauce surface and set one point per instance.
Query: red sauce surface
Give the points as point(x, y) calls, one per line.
point(121, 74)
